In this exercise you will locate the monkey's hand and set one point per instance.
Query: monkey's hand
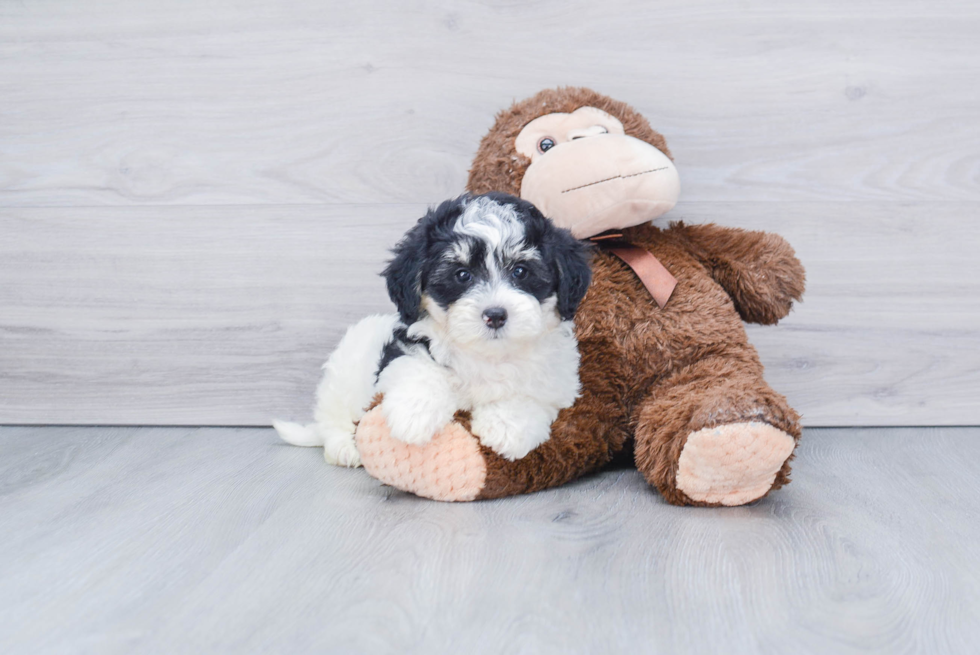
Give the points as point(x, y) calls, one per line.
point(759, 270)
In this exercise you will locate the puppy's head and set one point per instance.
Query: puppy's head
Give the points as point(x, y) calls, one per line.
point(488, 267)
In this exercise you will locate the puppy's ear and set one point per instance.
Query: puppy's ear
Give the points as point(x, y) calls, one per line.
point(571, 258)
point(403, 275)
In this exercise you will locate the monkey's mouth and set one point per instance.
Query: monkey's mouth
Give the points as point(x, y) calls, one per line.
point(615, 177)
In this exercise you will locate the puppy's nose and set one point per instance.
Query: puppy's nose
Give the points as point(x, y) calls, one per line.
point(495, 317)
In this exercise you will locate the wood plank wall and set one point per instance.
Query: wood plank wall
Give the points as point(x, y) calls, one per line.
point(195, 197)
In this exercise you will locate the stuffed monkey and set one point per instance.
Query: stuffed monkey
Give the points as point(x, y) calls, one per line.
point(667, 371)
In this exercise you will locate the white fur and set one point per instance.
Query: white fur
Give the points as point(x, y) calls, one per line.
point(515, 426)
point(419, 398)
point(344, 393)
point(513, 388)
point(462, 324)
point(497, 225)
point(514, 379)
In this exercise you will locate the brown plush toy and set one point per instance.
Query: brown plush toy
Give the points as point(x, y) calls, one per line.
point(667, 371)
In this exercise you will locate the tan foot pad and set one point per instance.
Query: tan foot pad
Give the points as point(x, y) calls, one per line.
point(450, 467)
point(732, 464)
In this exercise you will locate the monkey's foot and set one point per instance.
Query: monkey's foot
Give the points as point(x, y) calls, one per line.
point(732, 464)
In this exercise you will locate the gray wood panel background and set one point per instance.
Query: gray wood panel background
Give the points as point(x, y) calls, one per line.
point(195, 197)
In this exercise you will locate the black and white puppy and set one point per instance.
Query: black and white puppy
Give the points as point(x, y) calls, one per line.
point(486, 289)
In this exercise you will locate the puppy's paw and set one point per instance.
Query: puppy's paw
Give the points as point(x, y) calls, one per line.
point(415, 419)
point(339, 448)
point(512, 429)
point(418, 399)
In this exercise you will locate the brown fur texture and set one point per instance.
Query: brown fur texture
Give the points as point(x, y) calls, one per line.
point(651, 376)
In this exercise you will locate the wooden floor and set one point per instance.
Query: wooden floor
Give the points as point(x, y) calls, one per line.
point(170, 540)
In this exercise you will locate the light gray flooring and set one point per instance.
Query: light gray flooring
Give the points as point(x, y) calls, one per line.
point(177, 540)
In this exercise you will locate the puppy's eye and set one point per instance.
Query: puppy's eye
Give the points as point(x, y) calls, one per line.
point(520, 272)
point(463, 276)
point(546, 144)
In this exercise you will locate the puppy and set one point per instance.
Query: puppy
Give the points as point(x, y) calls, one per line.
point(486, 289)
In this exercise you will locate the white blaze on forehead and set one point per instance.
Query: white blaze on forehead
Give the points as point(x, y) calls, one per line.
point(460, 252)
point(497, 225)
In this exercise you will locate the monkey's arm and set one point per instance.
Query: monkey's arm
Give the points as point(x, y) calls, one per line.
point(759, 270)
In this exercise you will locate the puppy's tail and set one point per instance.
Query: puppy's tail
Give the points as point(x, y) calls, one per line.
point(298, 435)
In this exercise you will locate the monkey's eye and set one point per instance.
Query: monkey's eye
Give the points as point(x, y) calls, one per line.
point(520, 272)
point(463, 276)
point(546, 144)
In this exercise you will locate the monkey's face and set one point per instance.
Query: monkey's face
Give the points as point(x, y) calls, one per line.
point(589, 176)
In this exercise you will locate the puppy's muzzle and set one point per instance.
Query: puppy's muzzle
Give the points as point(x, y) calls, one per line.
point(495, 317)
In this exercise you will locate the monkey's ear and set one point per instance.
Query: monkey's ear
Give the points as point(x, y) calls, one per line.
point(403, 275)
point(571, 259)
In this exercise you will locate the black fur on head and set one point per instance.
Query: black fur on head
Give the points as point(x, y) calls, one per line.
point(426, 263)
point(403, 275)
point(574, 274)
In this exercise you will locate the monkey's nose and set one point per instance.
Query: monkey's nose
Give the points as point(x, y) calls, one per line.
point(495, 317)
